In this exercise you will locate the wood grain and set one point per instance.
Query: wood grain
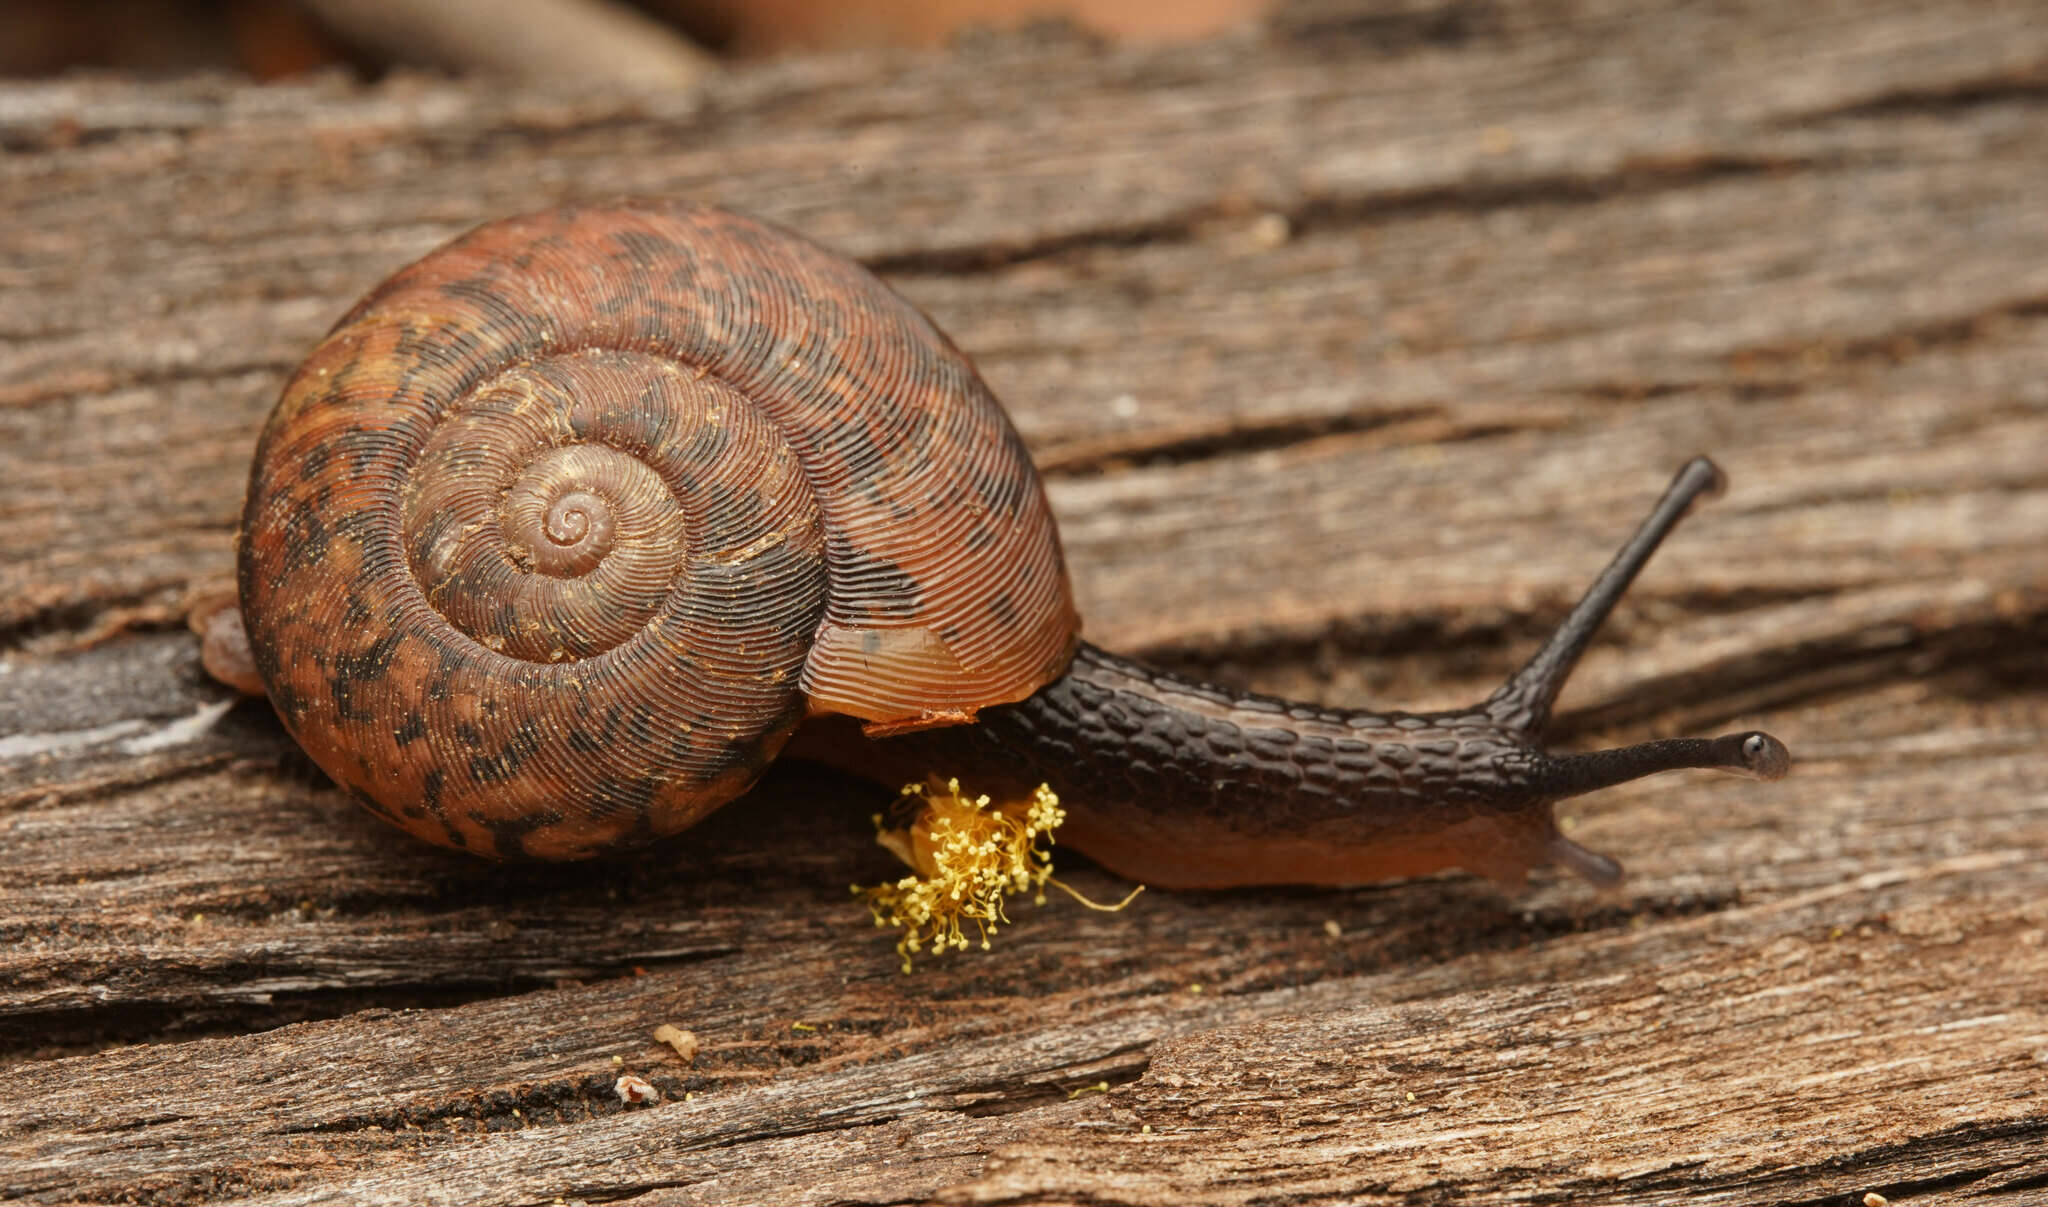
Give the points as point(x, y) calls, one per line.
point(1351, 347)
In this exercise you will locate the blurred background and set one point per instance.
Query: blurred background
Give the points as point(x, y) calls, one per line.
point(651, 41)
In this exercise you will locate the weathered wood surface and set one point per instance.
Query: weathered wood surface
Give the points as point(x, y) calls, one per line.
point(1351, 347)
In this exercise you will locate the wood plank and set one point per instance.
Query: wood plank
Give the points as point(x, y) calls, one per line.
point(1382, 308)
point(1533, 1027)
point(1351, 347)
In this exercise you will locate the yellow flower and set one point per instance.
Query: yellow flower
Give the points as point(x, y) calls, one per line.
point(965, 857)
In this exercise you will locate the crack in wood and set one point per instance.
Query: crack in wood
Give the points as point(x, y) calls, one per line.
point(1120, 1067)
point(2027, 86)
point(188, 1015)
point(1242, 438)
point(1898, 345)
point(1964, 1141)
point(550, 1103)
point(1641, 175)
point(32, 394)
point(2015, 650)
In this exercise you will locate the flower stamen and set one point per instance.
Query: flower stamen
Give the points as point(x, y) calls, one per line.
point(966, 857)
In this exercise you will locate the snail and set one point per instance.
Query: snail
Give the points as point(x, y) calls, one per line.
point(566, 530)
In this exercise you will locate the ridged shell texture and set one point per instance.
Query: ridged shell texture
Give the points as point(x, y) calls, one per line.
point(565, 527)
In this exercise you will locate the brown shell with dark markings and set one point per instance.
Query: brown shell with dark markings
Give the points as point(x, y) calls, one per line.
point(564, 528)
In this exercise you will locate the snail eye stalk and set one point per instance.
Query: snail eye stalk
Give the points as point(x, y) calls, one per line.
point(1523, 703)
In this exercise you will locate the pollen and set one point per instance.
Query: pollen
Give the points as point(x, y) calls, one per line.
point(966, 856)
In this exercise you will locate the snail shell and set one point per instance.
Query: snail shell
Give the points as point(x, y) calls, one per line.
point(564, 528)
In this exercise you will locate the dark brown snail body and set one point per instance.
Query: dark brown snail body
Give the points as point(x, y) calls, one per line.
point(555, 541)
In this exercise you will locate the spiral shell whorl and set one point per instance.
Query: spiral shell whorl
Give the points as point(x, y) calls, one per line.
point(557, 537)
